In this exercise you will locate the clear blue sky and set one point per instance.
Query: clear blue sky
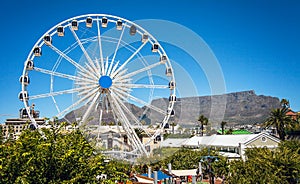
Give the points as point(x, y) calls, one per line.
point(256, 42)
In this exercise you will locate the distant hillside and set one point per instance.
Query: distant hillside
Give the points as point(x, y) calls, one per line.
point(238, 108)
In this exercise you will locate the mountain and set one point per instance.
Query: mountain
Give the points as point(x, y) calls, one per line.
point(235, 108)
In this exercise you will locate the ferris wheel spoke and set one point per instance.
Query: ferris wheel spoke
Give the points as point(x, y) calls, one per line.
point(123, 81)
point(80, 101)
point(106, 66)
point(116, 50)
point(100, 46)
point(115, 67)
point(86, 76)
point(78, 66)
point(102, 66)
point(141, 102)
point(137, 122)
point(62, 75)
point(120, 73)
point(91, 69)
point(85, 83)
point(124, 89)
point(91, 63)
point(137, 71)
point(83, 93)
point(88, 111)
point(142, 86)
point(128, 60)
point(86, 89)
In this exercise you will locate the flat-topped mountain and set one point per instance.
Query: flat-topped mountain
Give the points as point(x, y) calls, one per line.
point(239, 108)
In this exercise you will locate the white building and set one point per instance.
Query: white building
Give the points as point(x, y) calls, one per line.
point(235, 144)
point(230, 146)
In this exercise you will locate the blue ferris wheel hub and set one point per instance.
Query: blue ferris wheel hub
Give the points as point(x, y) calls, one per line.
point(105, 81)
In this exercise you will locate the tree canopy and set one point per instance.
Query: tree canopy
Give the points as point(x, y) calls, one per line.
point(264, 165)
point(280, 121)
point(54, 156)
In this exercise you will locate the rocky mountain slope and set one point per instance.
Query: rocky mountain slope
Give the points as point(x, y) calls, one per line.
point(237, 108)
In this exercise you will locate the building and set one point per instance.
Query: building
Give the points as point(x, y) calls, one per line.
point(173, 142)
point(13, 127)
point(292, 114)
point(111, 137)
point(233, 146)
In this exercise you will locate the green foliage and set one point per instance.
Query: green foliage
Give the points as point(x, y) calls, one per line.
point(203, 121)
point(53, 156)
point(229, 132)
point(117, 170)
point(280, 121)
point(263, 165)
point(223, 123)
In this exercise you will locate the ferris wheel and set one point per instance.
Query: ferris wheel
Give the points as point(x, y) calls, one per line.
point(95, 68)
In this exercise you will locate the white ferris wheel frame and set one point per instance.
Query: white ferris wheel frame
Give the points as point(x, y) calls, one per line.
point(102, 65)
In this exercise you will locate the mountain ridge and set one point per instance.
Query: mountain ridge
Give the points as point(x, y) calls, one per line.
point(244, 107)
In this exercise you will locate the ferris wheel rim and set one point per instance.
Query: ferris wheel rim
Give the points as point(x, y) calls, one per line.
point(66, 23)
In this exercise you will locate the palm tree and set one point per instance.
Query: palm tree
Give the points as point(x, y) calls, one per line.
point(223, 123)
point(203, 121)
point(139, 133)
point(229, 132)
point(280, 120)
point(173, 124)
point(285, 103)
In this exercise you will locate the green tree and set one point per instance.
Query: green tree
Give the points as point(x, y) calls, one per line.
point(173, 124)
point(285, 103)
point(230, 131)
point(263, 165)
point(203, 121)
point(280, 121)
point(116, 170)
point(223, 123)
point(49, 156)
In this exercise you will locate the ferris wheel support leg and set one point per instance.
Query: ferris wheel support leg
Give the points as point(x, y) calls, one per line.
point(100, 121)
point(129, 129)
point(88, 111)
point(137, 122)
point(141, 102)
